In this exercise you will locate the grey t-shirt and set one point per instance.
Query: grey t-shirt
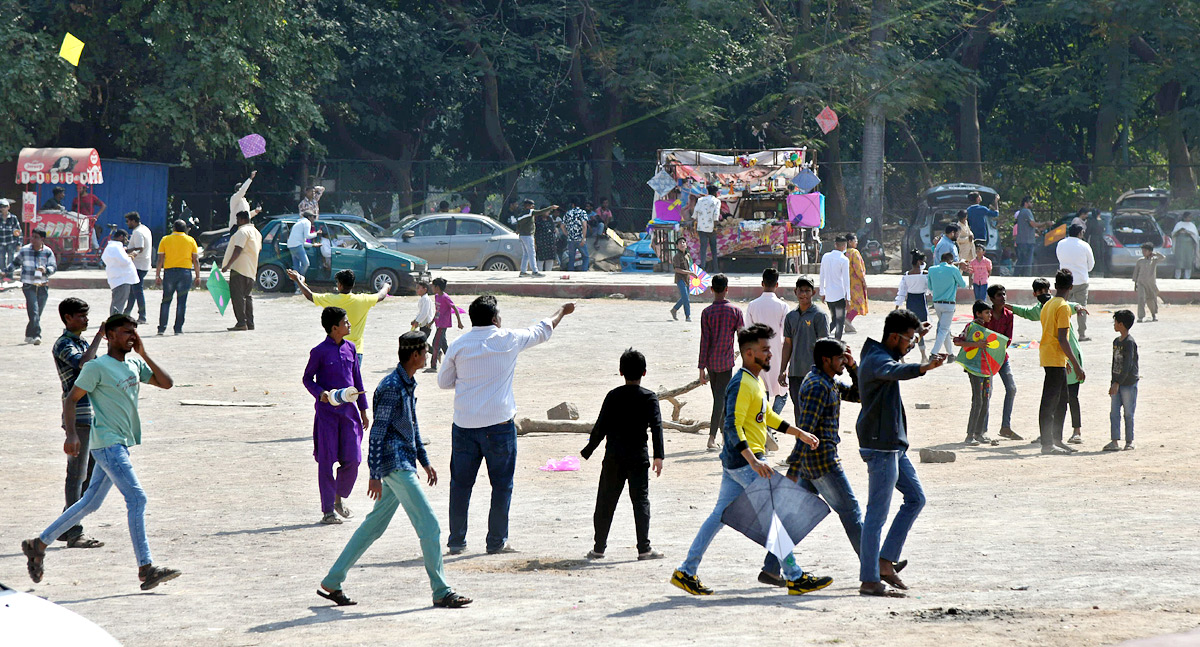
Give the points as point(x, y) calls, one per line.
point(1025, 233)
point(804, 329)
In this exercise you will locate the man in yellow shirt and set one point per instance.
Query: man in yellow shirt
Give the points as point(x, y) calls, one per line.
point(355, 305)
point(747, 417)
point(178, 257)
point(1055, 353)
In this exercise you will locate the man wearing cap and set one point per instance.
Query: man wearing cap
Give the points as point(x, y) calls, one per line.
point(10, 233)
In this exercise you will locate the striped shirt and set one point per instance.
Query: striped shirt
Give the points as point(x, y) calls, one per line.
point(480, 365)
point(27, 259)
point(68, 350)
point(395, 436)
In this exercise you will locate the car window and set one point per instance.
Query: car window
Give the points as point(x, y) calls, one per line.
point(472, 227)
point(433, 227)
point(269, 237)
point(340, 236)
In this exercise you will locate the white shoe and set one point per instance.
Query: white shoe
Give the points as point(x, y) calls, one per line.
point(29, 340)
point(850, 329)
point(37, 341)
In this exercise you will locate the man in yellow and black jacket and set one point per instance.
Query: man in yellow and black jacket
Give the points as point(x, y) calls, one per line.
point(747, 417)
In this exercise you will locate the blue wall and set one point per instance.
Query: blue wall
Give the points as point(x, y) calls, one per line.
point(128, 186)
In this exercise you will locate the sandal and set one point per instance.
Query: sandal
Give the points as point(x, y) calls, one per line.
point(453, 600)
point(157, 575)
point(882, 592)
point(895, 581)
point(83, 541)
point(337, 597)
point(33, 559)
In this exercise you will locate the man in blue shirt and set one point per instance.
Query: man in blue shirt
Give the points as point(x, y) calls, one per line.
point(883, 444)
point(944, 281)
point(948, 243)
point(395, 449)
point(977, 216)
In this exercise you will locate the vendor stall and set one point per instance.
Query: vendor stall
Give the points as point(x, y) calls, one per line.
point(768, 215)
point(68, 234)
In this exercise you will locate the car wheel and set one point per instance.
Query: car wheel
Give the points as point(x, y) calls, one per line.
point(498, 264)
point(382, 276)
point(270, 278)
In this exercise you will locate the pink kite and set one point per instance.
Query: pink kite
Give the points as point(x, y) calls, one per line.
point(806, 209)
point(567, 464)
point(827, 120)
point(252, 145)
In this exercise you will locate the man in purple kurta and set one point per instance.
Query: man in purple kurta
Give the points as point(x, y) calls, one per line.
point(337, 428)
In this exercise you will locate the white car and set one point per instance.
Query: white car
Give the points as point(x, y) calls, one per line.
point(29, 620)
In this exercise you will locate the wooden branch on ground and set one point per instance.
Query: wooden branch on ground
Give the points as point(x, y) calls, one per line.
point(528, 426)
point(219, 403)
point(672, 396)
point(692, 428)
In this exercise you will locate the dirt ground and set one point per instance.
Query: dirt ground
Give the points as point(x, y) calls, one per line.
point(1013, 548)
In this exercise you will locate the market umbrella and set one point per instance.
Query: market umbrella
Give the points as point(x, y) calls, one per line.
point(698, 280)
point(986, 360)
point(775, 513)
point(218, 287)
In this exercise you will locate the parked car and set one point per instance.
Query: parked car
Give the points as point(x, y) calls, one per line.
point(939, 206)
point(457, 240)
point(1125, 231)
point(354, 248)
point(639, 256)
point(31, 620)
point(1144, 199)
point(214, 242)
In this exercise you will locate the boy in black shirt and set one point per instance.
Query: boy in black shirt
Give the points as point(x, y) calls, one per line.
point(626, 414)
point(1124, 380)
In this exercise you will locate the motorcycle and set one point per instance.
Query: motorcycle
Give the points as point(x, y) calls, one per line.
point(872, 249)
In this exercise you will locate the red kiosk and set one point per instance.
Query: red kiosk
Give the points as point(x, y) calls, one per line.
point(67, 233)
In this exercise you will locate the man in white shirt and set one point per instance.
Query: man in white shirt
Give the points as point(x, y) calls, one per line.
point(298, 242)
point(238, 201)
point(706, 213)
point(141, 248)
point(835, 284)
point(1076, 255)
point(121, 273)
point(769, 309)
point(479, 366)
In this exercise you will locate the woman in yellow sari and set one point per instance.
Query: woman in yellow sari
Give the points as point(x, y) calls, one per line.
point(858, 282)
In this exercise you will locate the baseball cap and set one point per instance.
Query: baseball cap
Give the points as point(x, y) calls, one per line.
point(5, 202)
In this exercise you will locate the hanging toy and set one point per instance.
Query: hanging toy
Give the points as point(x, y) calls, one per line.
point(743, 161)
point(753, 161)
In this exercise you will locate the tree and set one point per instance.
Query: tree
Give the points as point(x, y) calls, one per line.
point(35, 77)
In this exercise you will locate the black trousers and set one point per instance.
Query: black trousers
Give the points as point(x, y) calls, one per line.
point(1053, 411)
point(613, 474)
point(239, 297)
point(718, 381)
point(1073, 405)
point(837, 317)
point(79, 476)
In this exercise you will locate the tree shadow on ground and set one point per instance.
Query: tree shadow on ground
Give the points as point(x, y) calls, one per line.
point(259, 531)
point(325, 614)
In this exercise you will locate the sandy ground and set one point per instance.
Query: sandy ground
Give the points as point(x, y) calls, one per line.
point(1027, 550)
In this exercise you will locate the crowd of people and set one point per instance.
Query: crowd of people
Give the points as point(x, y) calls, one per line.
point(785, 353)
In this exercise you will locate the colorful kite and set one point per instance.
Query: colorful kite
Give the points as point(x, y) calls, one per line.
point(986, 360)
point(827, 119)
point(252, 145)
point(698, 280)
point(218, 287)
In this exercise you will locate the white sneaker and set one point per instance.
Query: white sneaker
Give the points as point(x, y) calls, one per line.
point(29, 340)
point(850, 329)
point(37, 341)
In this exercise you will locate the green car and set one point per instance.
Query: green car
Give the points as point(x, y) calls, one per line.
point(352, 248)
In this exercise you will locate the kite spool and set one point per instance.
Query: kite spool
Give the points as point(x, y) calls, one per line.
point(338, 397)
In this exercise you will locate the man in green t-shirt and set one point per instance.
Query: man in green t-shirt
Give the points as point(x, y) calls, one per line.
point(111, 383)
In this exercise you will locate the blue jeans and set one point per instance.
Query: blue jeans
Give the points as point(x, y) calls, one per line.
point(497, 445)
point(887, 470)
point(175, 285)
point(1025, 254)
point(708, 242)
point(1125, 398)
point(733, 483)
point(980, 291)
point(945, 315)
point(580, 245)
point(527, 254)
point(1010, 393)
point(115, 469)
point(684, 301)
point(137, 295)
point(35, 303)
point(834, 487)
point(299, 259)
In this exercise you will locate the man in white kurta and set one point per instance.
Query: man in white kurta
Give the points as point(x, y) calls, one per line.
point(769, 309)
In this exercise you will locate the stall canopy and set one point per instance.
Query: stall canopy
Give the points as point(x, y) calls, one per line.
point(59, 166)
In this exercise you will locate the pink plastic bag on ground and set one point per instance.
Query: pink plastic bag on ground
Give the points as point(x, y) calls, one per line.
point(567, 464)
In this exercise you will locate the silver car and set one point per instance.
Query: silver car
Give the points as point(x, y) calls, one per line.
point(457, 240)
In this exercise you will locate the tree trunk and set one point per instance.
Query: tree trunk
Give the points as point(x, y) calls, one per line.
point(914, 150)
point(1183, 180)
point(874, 128)
point(973, 48)
point(1107, 118)
point(832, 183)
